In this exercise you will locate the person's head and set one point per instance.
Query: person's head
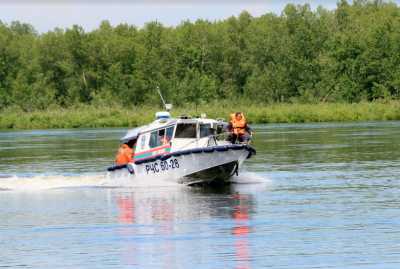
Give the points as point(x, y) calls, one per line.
point(238, 115)
point(131, 143)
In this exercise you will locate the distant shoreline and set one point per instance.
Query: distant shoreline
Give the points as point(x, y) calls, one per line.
point(116, 116)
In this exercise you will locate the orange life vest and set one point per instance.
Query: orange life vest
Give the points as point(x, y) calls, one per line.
point(238, 126)
point(124, 155)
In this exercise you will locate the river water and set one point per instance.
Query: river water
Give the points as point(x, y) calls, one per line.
point(314, 196)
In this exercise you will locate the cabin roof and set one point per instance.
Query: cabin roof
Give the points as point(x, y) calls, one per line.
point(159, 124)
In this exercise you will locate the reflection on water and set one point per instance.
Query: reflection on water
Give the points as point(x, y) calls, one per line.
point(170, 219)
point(241, 231)
point(315, 196)
point(126, 210)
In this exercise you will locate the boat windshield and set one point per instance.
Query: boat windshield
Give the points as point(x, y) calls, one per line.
point(185, 130)
point(206, 130)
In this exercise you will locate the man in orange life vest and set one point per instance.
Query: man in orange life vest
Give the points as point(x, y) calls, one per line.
point(239, 129)
point(125, 153)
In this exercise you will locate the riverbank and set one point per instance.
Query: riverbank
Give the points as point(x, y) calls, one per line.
point(95, 116)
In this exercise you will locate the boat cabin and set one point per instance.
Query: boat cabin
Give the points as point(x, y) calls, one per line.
point(167, 134)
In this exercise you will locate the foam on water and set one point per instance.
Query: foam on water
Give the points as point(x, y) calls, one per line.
point(249, 182)
point(43, 182)
point(246, 177)
point(102, 180)
point(124, 180)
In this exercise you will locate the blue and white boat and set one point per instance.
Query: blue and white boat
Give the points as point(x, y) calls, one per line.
point(185, 150)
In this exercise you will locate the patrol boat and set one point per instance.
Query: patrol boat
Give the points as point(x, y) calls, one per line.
point(183, 149)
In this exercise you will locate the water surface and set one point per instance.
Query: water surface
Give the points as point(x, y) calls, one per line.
point(315, 196)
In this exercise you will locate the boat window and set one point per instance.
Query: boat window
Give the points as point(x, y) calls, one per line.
point(170, 133)
point(206, 130)
point(157, 138)
point(186, 130)
point(153, 140)
point(142, 142)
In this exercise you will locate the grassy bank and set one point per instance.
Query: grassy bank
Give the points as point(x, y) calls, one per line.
point(91, 116)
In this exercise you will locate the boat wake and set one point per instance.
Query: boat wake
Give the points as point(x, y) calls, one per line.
point(47, 182)
point(246, 177)
point(101, 180)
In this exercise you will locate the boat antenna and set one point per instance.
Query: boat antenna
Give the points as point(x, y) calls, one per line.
point(168, 107)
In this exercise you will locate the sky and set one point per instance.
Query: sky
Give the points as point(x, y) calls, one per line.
point(45, 15)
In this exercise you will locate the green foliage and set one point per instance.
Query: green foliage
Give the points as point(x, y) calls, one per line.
point(351, 54)
point(103, 115)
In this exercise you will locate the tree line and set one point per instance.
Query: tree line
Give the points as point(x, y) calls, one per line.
point(349, 54)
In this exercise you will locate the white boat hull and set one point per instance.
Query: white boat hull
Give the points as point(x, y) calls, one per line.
point(190, 168)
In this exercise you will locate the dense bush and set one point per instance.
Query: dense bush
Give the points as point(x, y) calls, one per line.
point(350, 54)
point(90, 116)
